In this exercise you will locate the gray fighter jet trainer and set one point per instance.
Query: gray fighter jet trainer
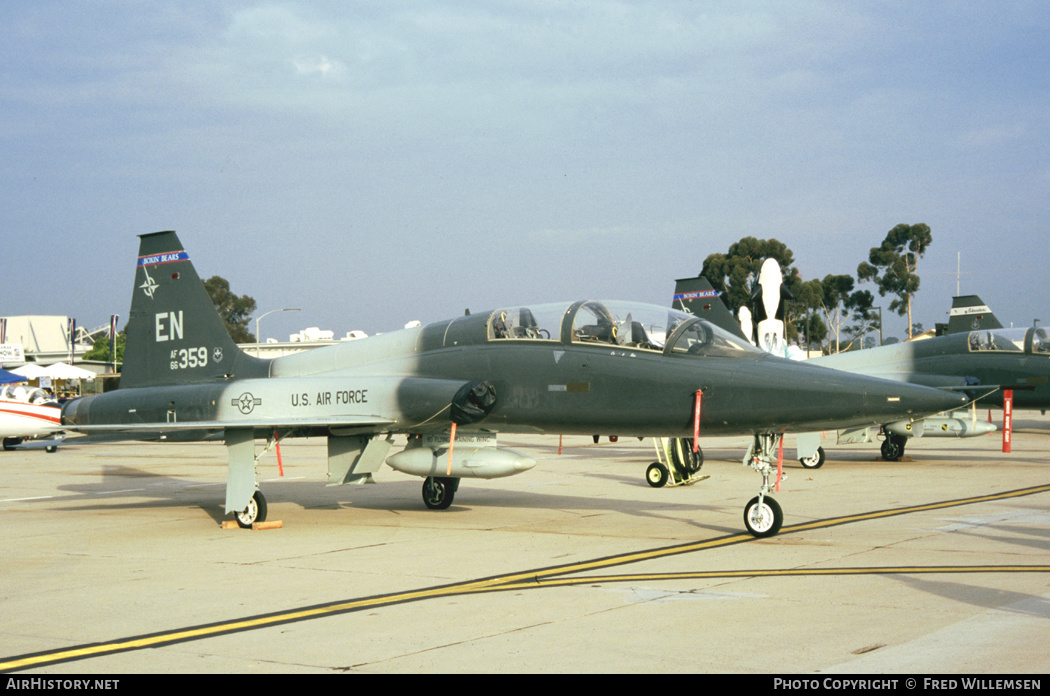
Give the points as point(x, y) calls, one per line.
point(977, 357)
point(585, 368)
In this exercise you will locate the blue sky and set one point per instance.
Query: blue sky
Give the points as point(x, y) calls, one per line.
point(380, 161)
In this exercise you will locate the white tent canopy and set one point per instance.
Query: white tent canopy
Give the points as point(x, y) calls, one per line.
point(64, 371)
point(56, 371)
point(30, 371)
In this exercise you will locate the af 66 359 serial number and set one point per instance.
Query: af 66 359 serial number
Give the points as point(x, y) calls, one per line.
point(189, 358)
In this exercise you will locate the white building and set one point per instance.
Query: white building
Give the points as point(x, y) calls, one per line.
point(43, 339)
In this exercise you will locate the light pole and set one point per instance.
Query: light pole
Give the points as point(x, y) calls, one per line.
point(258, 337)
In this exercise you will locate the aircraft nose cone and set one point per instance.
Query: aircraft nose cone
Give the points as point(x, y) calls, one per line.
point(928, 400)
point(823, 398)
point(882, 399)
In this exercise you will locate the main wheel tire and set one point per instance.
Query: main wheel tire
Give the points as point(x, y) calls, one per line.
point(438, 493)
point(814, 462)
point(656, 475)
point(763, 520)
point(254, 512)
point(893, 448)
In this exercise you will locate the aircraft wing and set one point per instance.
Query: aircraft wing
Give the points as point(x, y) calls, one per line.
point(131, 429)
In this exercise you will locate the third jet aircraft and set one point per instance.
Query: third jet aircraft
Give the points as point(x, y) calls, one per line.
point(978, 356)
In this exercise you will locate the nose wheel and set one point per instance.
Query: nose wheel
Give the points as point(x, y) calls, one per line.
point(763, 516)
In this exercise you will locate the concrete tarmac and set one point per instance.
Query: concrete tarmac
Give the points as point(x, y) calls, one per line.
point(114, 562)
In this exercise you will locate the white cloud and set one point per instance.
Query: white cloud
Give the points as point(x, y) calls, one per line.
point(319, 65)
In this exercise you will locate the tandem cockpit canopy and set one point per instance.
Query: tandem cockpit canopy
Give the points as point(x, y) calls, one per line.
point(630, 325)
point(1033, 341)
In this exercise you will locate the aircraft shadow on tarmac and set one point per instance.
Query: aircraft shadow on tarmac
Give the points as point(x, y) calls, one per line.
point(978, 596)
point(1025, 536)
point(123, 482)
point(123, 487)
point(142, 489)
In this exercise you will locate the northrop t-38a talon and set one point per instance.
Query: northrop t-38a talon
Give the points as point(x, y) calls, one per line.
point(977, 356)
point(583, 368)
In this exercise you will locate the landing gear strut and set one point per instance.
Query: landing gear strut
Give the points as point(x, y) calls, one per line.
point(762, 515)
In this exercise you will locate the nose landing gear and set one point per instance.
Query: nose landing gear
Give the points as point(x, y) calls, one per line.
point(762, 515)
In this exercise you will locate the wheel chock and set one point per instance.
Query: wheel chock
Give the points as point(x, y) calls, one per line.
point(232, 524)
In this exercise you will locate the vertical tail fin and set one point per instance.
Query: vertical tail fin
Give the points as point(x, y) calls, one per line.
point(970, 313)
point(174, 333)
point(698, 297)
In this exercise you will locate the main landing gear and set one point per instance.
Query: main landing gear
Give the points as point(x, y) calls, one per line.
point(243, 497)
point(254, 512)
point(762, 515)
point(893, 447)
point(439, 491)
point(815, 461)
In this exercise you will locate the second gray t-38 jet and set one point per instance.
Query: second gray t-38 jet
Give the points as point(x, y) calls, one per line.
point(584, 368)
point(977, 356)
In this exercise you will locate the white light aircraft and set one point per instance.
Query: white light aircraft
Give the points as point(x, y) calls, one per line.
point(25, 413)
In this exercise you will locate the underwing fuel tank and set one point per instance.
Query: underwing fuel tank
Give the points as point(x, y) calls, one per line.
point(955, 425)
point(473, 456)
